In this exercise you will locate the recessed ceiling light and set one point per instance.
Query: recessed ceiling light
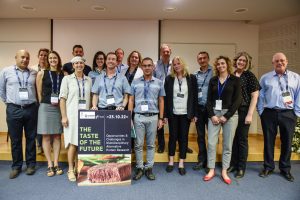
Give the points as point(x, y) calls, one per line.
point(240, 10)
point(98, 8)
point(27, 7)
point(170, 9)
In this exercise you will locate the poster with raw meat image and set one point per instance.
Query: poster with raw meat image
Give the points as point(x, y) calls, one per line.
point(104, 148)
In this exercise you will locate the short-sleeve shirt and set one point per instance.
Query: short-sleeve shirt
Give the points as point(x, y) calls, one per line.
point(117, 86)
point(147, 91)
point(249, 84)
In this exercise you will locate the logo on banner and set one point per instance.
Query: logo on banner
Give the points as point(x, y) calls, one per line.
point(87, 115)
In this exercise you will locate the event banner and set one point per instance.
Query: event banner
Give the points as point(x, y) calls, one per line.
point(104, 147)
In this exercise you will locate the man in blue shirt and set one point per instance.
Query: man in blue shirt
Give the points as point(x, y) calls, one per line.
point(278, 105)
point(17, 91)
point(203, 76)
point(68, 67)
point(147, 102)
point(111, 89)
point(121, 67)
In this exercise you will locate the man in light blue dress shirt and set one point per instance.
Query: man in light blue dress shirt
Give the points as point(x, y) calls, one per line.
point(279, 105)
point(111, 89)
point(147, 102)
point(17, 91)
point(121, 67)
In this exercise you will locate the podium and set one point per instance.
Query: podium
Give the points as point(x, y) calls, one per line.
point(104, 147)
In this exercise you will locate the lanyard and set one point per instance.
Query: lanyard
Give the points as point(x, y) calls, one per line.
point(221, 88)
point(83, 90)
point(179, 83)
point(113, 87)
point(130, 76)
point(286, 81)
point(166, 69)
point(146, 89)
point(207, 72)
point(57, 82)
point(119, 68)
point(19, 80)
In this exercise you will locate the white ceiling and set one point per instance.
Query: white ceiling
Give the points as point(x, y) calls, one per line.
point(259, 11)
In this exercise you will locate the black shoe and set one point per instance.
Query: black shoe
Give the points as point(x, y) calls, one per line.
point(198, 166)
point(14, 173)
point(231, 169)
point(265, 173)
point(160, 150)
point(240, 173)
point(138, 174)
point(181, 171)
point(149, 174)
point(169, 168)
point(189, 150)
point(30, 170)
point(287, 175)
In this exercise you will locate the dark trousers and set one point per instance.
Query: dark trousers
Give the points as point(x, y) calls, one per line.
point(161, 138)
point(179, 129)
point(39, 139)
point(18, 118)
point(270, 120)
point(200, 126)
point(240, 143)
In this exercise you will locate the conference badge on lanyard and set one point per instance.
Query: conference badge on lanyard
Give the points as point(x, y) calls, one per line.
point(82, 104)
point(23, 94)
point(144, 106)
point(54, 99)
point(110, 100)
point(287, 99)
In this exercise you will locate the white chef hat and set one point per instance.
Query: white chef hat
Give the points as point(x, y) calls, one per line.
point(77, 59)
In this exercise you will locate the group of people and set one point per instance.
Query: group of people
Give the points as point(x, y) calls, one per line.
point(44, 99)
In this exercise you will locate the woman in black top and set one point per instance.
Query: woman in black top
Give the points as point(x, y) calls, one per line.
point(223, 100)
point(134, 71)
point(250, 91)
point(180, 103)
point(49, 117)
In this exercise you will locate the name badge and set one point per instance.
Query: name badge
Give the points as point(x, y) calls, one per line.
point(144, 106)
point(218, 105)
point(287, 99)
point(54, 99)
point(23, 94)
point(110, 99)
point(200, 94)
point(82, 105)
point(180, 95)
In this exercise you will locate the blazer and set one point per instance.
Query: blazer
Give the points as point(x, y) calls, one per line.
point(192, 96)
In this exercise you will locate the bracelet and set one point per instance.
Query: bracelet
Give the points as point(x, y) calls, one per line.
point(161, 118)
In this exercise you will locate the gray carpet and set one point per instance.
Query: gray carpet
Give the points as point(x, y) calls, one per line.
point(167, 186)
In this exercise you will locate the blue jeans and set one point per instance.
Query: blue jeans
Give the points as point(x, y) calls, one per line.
point(145, 126)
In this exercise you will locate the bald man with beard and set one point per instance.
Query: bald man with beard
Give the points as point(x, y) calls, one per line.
point(18, 92)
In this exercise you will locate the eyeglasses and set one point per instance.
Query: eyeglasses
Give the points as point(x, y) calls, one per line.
point(147, 65)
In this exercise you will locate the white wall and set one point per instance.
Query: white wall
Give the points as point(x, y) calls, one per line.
point(243, 36)
point(21, 34)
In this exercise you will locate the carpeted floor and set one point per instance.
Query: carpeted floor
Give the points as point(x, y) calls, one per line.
point(167, 186)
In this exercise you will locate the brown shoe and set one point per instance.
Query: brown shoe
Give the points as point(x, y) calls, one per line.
point(30, 170)
point(14, 173)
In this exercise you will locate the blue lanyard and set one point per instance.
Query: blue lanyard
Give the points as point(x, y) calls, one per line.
point(119, 68)
point(19, 80)
point(166, 69)
point(207, 72)
point(113, 86)
point(83, 90)
point(286, 81)
point(146, 89)
point(57, 81)
point(221, 88)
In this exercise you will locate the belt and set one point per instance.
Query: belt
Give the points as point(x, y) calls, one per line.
point(108, 108)
point(22, 106)
point(147, 114)
point(278, 110)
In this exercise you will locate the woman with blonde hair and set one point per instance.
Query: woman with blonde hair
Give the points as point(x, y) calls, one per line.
point(180, 104)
